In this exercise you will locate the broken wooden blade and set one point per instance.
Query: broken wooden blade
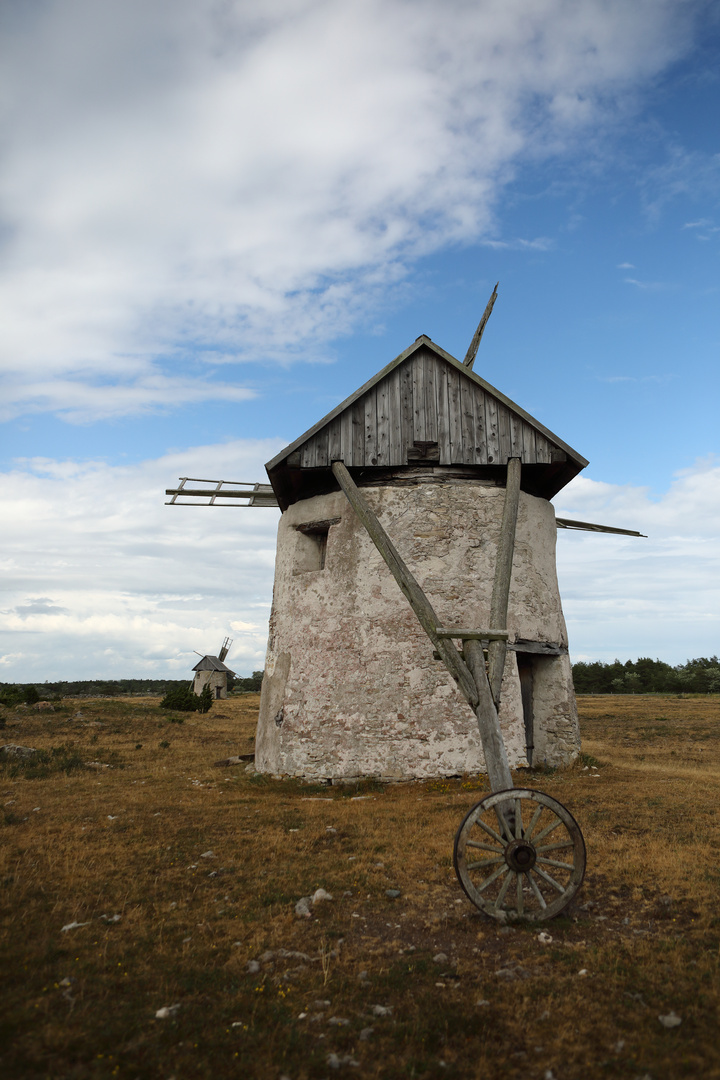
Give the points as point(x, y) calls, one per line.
point(475, 343)
point(588, 526)
point(255, 495)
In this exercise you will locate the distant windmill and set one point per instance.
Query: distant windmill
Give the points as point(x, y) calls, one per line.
point(211, 671)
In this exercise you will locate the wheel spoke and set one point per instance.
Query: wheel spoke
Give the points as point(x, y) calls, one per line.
point(548, 829)
point(533, 822)
point(555, 847)
point(491, 832)
point(554, 862)
point(482, 847)
point(518, 819)
point(533, 885)
point(503, 891)
point(485, 863)
point(520, 898)
point(550, 880)
point(493, 877)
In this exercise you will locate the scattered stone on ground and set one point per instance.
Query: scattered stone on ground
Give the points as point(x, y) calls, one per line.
point(393, 894)
point(302, 908)
point(13, 750)
point(166, 1012)
point(671, 1020)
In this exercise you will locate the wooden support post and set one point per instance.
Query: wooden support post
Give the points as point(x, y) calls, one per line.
point(497, 650)
point(496, 758)
point(414, 594)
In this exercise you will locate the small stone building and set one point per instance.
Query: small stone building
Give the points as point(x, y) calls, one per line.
point(212, 672)
point(351, 685)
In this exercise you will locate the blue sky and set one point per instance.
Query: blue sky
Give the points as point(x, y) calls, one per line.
point(219, 220)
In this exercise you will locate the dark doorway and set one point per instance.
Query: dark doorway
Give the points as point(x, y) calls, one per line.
point(525, 670)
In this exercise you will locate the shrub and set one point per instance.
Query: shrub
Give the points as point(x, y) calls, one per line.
point(181, 698)
point(205, 700)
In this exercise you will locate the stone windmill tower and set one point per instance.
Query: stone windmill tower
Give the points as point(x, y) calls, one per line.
point(429, 471)
point(351, 685)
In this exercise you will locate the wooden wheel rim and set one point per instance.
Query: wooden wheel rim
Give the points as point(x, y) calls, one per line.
point(539, 833)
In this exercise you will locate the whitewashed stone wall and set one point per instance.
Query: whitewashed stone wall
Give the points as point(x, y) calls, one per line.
point(214, 679)
point(351, 687)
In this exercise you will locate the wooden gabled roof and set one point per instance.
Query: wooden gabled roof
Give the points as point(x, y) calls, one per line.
point(424, 407)
point(211, 663)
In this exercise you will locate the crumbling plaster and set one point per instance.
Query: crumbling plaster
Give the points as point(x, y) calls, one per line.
point(351, 687)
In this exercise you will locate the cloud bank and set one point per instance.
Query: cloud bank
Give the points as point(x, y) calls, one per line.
point(189, 183)
point(103, 580)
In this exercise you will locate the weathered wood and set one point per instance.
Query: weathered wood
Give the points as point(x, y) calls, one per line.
point(358, 420)
point(504, 434)
point(503, 572)
point(334, 448)
point(395, 444)
point(455, 419)
point(475, 343)
point(492, 437)
point(538, 648)
point(443, 415)
point(383, 424)
point(472, 635)
point(496, 759)
point(467, 420)
point(418, 391)
point(587, 526)
point(430, 397)
point(410, 587)
point(371, 429)
point(346, 452)
point(421, 350)
point(407, 421)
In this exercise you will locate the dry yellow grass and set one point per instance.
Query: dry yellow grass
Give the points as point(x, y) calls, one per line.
point(133, 841)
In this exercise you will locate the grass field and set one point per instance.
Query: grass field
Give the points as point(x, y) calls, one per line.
point(149, 926)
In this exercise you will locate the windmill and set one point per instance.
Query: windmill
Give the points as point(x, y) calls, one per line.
point(211, 671)
point(428, 472)
point(430, 469)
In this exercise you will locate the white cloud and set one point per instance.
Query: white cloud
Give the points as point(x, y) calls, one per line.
point(658, 597)
point(103, 580)
point(191, 178)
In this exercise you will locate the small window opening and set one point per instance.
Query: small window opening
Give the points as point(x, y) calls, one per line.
point(311, 545)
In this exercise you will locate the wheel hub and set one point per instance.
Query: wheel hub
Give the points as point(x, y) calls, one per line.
point(520, 856)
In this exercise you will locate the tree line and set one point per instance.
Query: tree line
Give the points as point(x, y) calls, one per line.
point(646, 676)
point(15, 693)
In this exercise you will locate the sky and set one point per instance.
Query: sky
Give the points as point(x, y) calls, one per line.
point(219, 218)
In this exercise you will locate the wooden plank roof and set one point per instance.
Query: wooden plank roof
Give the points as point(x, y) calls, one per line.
point(211, 663)
point(424, 406)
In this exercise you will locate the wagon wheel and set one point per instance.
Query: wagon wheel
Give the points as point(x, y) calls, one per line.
point(520, 855)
